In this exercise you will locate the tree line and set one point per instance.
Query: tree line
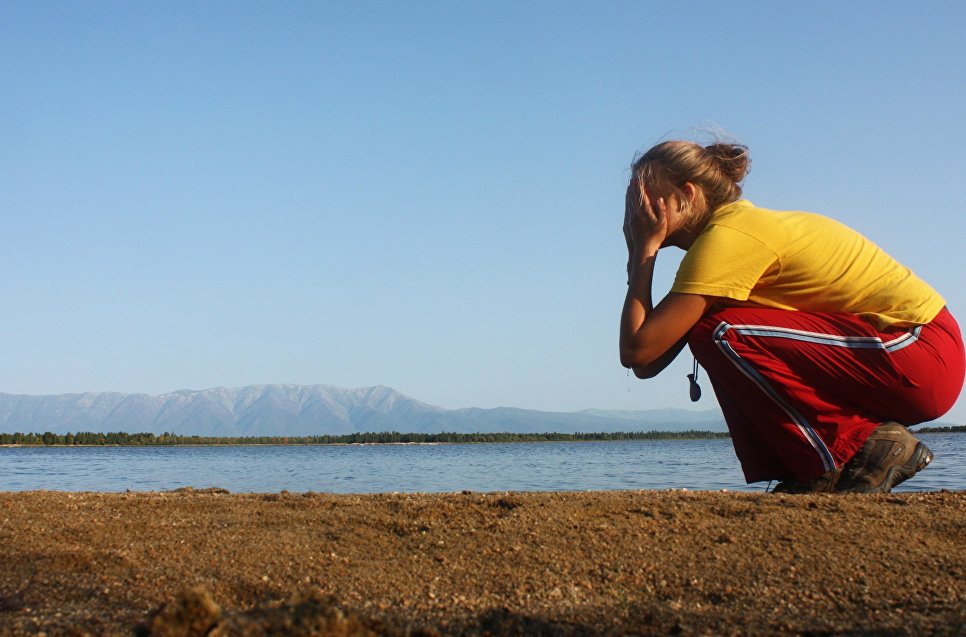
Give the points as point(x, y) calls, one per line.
point(946, 429)
point(120, 438)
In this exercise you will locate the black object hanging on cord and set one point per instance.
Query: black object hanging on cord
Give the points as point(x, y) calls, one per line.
point(694, 389)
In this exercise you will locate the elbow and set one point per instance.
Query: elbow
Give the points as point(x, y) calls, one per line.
point(645, 372)
point(643, 360)
point(627, 358)
point(638, 362)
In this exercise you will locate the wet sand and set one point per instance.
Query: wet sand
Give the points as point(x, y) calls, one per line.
point(630, 562)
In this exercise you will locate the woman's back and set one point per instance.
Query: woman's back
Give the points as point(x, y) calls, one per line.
point(802, 261)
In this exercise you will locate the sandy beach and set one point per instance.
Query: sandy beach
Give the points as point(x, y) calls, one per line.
point(598, 563)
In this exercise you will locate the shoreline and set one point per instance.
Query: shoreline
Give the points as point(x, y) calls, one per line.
point(647, 436)
point(556, 563)
point(266, 444)
point(350, 444)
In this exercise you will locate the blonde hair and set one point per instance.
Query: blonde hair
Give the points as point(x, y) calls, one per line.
point(717, 170)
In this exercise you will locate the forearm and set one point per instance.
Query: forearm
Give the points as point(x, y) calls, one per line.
point(637, 306)
point(662, 361)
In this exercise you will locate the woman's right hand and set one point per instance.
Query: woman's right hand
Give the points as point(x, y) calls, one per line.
point(645, 224)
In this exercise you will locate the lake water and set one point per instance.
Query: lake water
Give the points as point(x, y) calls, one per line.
point(543, 466)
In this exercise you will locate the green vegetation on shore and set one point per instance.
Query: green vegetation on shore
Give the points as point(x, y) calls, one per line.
point(86, 438)
point(951, 429)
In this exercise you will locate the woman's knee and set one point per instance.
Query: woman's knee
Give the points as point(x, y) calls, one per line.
point(701, 338)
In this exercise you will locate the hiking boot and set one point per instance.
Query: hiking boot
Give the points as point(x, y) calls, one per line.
point(890, 455)
point(825, 483)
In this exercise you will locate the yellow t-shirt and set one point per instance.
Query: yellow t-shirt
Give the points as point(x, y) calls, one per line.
point(802, 261)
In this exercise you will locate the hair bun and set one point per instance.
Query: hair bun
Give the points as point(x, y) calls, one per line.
point(732, 159)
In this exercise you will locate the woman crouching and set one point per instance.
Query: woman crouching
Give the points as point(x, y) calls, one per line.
point(822, 349)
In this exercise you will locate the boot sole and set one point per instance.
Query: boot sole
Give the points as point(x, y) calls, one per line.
point(921, 457)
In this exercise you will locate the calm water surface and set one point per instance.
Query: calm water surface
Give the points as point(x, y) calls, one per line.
point(544, 466)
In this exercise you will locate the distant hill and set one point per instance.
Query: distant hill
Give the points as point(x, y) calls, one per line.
point(306, 410)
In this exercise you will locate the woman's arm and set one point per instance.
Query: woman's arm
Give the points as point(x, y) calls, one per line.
point(655, 368)
point(651, 337)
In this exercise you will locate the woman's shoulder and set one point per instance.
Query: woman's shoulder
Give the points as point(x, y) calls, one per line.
point(745, 210)
point(744, 216)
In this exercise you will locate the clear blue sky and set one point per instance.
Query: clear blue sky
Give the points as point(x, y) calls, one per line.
point(428, 195)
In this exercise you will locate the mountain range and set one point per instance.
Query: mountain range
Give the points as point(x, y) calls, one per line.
point(308, 410)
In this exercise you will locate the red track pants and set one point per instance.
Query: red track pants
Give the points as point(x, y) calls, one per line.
point(801, 391)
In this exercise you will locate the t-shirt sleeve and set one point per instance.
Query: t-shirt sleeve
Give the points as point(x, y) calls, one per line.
point(723, 262)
